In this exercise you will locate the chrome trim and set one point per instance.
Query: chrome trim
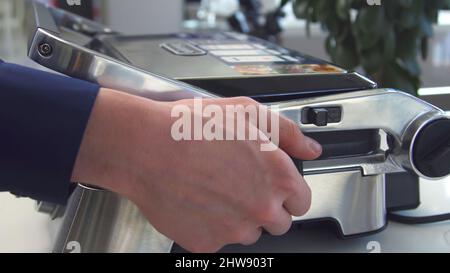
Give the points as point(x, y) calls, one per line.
point(373, 164)
point(400, 115)
point(102, 221)
point(82, 63)
point(355, 202)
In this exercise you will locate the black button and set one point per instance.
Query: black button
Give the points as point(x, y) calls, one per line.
point(321, 116)
point(318, 116)
point(334, 114)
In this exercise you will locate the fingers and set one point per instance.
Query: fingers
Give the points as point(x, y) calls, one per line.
point(291, 139)
point(252, 237)
point(295, 143)
point(299, 202)
point(279, 223)
point(297, 194)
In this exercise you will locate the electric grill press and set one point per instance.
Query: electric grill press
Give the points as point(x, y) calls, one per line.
point(340, 109)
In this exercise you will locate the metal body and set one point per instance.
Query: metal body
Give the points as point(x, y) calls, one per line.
point(102, 221)
point(350, 191)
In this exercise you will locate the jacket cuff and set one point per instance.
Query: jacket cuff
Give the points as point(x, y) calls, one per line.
point(43, 117)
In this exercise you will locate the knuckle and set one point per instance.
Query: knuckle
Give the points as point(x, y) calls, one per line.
point(283, 170)
point(250, 206)
point(275, 161)
point(252, 237)
point(282, 227)
point(288, 184)
point(300, 202)
point(268, 215)
point(254, 208)
point(238, 235)
point(233, 232)
point(255, 238)
point(254, 212)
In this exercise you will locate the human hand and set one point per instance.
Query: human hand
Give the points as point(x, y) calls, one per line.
point(202, 194)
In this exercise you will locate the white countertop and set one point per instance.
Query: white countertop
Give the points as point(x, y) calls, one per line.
point(22, 228)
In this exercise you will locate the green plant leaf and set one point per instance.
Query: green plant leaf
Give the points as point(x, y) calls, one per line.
point(410, 65)
point(407, 46)
point(300, 8)
point(330, 46)
point(370, 19)
point(426, 27)
point(345, 57)
point(372, 59)
point(367, 40)
point(407, 19)
point(389, 43)
point(424, 48)
point(395, 77)
point(405, 3)
point(385, 40)
point(342, 9)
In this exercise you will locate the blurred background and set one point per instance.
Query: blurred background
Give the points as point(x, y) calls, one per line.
point(401, 44)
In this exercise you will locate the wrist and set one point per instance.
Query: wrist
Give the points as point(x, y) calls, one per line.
point(109, 155)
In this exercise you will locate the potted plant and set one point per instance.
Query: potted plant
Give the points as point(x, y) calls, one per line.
point(385, 38)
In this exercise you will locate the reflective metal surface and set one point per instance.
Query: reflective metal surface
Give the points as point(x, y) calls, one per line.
point(102, 221)
point(437, 194)
point(355, 202)
point(372, 164)
point(400, 115)
point(77, 61)
point(86, 64)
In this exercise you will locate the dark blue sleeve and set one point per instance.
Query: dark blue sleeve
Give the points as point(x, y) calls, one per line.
point(42, 121)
